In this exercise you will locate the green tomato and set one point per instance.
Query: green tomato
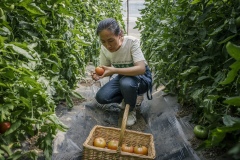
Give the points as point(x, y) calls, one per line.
point(12, 7)
point(238, 21)
point(200, 132)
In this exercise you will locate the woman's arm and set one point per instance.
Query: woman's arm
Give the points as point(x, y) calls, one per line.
point(137, 69)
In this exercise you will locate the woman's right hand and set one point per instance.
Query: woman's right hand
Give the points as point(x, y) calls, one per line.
point(95, 76)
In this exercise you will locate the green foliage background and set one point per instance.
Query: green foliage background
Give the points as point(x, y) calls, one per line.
point(44, 47)
point(194, 49)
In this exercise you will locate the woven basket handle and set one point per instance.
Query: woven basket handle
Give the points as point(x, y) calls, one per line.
point(123, 127)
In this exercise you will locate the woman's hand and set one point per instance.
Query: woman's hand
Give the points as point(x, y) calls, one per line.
point(95, 76)
point(108, 71)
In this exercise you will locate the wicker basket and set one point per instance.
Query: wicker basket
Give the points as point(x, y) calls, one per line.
point(91, 152)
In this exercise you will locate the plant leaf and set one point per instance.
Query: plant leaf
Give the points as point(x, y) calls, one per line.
point(230, 121)
point(233, 50)
point(13, 128)
point(232, 73)
point(19, 50)
point(192, 69)
point(235, 101)
point(34, 9)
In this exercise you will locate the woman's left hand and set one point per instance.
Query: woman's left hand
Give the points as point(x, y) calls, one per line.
point(108, 71)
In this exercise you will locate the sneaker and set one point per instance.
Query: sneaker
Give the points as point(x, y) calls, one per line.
point(131, 118)
point(113, 107)
point(122, 105)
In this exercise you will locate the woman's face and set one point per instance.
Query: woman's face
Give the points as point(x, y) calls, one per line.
point(110, 41)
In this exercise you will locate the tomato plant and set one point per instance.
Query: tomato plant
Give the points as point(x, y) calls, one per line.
point(41, 65)
point(99, 71)
point(127, 148)
point(200, 132)
point(204, 36)
point(4, 126)
point(113, 144)
point(140, 149)
point(99, 142)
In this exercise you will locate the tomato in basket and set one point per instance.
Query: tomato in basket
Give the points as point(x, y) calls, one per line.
point(113, 144)
point(99, 142)
point(140, 149)
point(127, 148)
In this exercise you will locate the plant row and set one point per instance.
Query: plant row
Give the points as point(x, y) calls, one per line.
point(193, 48)
point(44, 49)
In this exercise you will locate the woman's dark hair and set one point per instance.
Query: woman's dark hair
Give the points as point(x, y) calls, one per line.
point(109, 24)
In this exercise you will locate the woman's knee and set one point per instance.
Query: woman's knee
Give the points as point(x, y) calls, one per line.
point(127, 83)
point(100, 98)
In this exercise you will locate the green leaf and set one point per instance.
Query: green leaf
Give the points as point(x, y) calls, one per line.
point(25, 101)
point(232, 73)
point(213, 97)
point(1, 157)
point(229, 129)
point(25, 2)
point(227, 39)
point(4, 31)
point(76, 94)
point(195, 1)
point(34, 9)
point(217, 30)
point(13, 127)
point(3, 84)
point(19, 50)
point(83, 42)
point(16, 155)
point(30, 81)
point(33, 120)
point(204, 58)
point(203, 78)
point(192, 69)
point(230, 121)
point(7, 149)
point(233, 50)
point(69, 101)
point(57, 122)
point(53, 62)
point(235, 150)
point(235, 101)
point(197, 93)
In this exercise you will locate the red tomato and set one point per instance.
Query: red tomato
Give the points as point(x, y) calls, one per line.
point(99, 142)
point(127, 148)
point(139, 149)
point(4, 126)
point(99, 71)
point(113, 144)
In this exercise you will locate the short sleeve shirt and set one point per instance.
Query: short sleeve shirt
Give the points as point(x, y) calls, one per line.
point(128, 54)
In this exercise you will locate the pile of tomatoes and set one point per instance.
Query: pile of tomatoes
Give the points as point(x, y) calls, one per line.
point(113, 145)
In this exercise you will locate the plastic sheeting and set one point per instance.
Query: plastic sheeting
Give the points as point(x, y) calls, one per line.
point(170, 134)
point(171, 141)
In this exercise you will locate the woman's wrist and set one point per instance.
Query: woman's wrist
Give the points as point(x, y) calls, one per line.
point(115, 70)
